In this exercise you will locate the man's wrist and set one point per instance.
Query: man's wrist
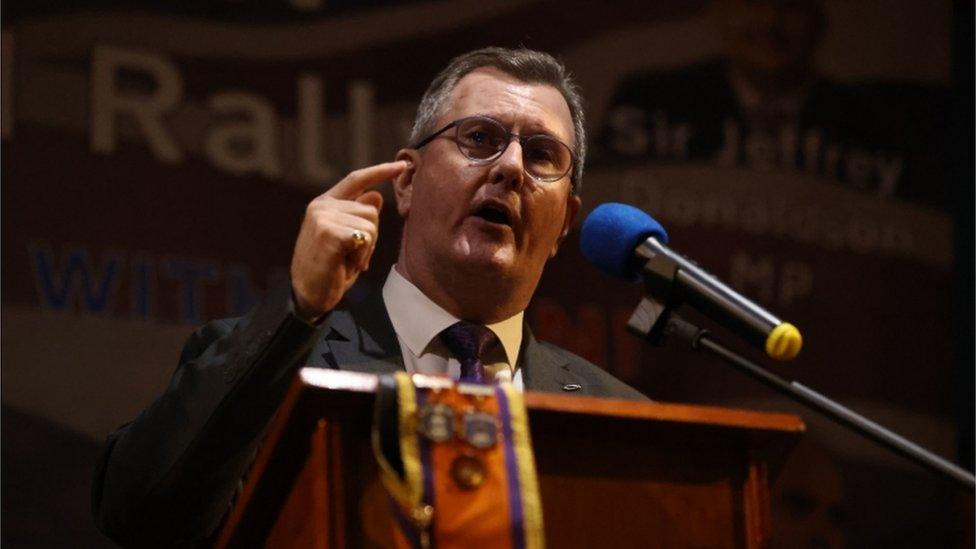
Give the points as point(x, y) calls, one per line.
point(303, 312)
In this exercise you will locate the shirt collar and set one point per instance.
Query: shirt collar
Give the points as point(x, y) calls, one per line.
point(418, 320)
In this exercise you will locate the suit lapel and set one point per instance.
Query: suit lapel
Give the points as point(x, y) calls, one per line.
point(544, 370)
point(362, 339)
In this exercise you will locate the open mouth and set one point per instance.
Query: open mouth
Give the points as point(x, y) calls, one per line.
point(494, 213)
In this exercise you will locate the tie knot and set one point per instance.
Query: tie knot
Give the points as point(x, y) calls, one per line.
point(467, 340)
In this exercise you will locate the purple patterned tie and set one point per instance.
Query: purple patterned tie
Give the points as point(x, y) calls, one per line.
point(468, 342)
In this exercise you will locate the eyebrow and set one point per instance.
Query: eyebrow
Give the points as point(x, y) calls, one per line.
point(542, 130)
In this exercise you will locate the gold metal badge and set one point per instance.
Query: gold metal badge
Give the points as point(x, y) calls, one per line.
point(468, 472)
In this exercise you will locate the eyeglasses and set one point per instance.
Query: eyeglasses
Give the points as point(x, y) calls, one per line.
point(482, 140)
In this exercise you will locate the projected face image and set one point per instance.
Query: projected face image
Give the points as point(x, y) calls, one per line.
point(770, 36)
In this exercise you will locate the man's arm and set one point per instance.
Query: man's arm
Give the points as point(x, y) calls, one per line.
point(168, 478)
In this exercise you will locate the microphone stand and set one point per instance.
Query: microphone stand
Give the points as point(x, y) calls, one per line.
point(657, 323)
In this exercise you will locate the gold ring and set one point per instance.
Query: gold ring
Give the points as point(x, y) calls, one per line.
point(358, 238)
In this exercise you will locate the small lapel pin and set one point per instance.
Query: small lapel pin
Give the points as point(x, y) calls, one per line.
point(570, 387)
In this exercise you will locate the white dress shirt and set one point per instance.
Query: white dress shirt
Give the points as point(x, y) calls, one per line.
point(417, 322)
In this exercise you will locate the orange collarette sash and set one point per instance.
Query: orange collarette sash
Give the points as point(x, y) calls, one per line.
point(459, 468)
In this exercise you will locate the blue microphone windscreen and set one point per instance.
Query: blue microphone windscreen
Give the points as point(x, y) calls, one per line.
point(611, 232)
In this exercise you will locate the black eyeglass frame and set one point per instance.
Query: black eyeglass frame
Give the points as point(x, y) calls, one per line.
point(508, 141)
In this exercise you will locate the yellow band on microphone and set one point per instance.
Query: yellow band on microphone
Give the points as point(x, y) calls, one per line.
point(784, 342)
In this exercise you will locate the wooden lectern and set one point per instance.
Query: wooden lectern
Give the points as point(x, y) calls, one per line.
point(612, 473)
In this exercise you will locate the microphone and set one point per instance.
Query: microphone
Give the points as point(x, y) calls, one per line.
point(625, 242)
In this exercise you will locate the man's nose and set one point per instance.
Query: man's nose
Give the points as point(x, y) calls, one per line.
point(509, 167)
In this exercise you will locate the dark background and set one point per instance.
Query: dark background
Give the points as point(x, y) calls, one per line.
point(111, 257)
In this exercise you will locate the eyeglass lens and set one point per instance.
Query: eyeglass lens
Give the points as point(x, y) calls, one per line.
point(542, 156)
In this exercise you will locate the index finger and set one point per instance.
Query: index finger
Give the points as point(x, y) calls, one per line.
point(354, 184)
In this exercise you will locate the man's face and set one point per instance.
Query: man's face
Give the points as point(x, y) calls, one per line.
point(468, 219)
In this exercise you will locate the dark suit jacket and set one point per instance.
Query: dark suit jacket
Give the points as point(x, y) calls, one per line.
point(169, 477)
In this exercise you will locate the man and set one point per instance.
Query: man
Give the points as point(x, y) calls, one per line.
point(487, 193)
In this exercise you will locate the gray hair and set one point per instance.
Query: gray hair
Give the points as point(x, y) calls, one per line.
point(529, 66)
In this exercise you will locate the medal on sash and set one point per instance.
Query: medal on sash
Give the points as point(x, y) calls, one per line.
point(480, 429)
point(437, 422)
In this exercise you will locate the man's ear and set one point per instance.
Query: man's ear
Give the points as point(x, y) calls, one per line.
point(403, 183)
point(573, 205)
